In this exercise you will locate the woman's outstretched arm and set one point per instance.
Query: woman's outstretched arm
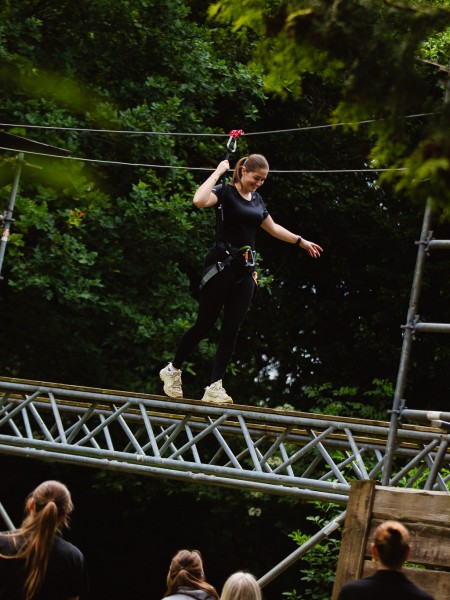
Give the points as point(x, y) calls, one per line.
point(281, 233)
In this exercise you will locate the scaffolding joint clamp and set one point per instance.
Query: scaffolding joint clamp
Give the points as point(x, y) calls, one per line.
point(398, 411)
point(4, 218)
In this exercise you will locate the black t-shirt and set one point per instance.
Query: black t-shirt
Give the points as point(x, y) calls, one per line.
point(241, 218)
point(66, 575)
point(388, 585)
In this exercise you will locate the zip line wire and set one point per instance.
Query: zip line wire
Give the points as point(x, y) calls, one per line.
point(185, 134)
point(198, 134)
point(150, 166)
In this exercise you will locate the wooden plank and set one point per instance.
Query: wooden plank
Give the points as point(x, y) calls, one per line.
point(436, 583)
point(357, 520)
point(430, 544)
point(419, 506)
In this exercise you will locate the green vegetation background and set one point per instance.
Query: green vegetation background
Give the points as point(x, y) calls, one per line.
point(102, 268)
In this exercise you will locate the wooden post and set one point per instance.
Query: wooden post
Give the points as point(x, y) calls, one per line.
point(357, 523)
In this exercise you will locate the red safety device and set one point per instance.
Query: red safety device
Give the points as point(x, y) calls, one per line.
point(234, 134)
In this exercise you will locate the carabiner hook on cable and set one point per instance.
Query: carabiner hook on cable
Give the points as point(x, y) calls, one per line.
point(234, 134)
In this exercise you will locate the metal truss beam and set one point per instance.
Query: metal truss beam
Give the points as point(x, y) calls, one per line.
point(311, 457)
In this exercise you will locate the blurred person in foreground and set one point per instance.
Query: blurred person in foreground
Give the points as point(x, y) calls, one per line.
point(241, 586)
point(36, 563)
point(390, 549)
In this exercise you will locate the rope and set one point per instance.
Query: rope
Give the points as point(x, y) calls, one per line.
point(193, 134)
point(330, 125)
point(131, 131)
point(152, 166)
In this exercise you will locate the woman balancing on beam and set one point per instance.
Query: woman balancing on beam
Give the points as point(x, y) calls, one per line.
point(229, 271)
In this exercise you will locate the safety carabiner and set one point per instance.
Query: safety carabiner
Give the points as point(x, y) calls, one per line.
point(234, 134)
point(246, 253)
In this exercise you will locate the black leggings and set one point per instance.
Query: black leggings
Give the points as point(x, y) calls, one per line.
point(232, 289)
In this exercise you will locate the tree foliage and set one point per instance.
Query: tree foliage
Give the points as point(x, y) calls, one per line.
point(387, 59)
point(102, 269)
point(106, 253)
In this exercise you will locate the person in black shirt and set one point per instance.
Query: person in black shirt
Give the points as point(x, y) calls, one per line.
point(35, 562)
point(390, 549)
point(229, 275)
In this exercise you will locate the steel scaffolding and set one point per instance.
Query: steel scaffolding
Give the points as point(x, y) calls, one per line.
point(302, 455)
point(313, 457)
point(307, 456)
point(414, 325)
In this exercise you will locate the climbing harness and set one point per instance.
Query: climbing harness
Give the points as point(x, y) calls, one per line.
point(245, 255)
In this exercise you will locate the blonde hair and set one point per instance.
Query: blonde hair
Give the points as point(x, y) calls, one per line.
point(47, 510)
point(186, 570)
point(241, 586)
point(253, 162)
point(391, 540)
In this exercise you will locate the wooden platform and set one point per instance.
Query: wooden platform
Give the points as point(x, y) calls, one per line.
point(426, 515)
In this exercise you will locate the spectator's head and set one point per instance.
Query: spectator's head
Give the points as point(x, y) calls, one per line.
point(391, 544)
point(50, 497)
point(47, 510)
point(241, 586)
point(186, 571)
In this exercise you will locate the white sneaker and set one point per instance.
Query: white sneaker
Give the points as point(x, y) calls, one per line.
point(216, 393)
point(172, 381)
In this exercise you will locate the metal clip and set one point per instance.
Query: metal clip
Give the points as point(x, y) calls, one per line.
point(234, 134)
point(246, 252)
point(252, 261)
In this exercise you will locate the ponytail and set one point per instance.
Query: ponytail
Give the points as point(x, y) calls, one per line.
point(47, 510)
point(39, 548)
point(237, 173)
point(186, 570)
